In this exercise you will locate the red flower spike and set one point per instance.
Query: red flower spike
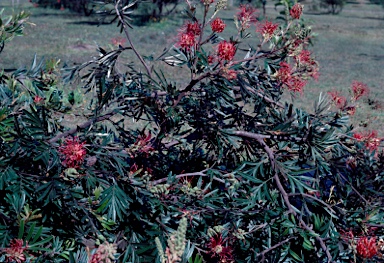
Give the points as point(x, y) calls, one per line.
point(226, 50)
point(372, 142)
point(192, 28)
point(73, 152)
point(266, 29)
point(296, 11)
point(218, 25)
point(217, 248)
point(339, 100)
point(366, 248)
point(38, 100)
point(15, 253)
point(359, 89)
point(118, 41)
point(246, 16)
point(187, 41)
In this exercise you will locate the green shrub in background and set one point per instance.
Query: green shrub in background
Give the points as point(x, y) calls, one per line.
point(146, 10)
point(214, 169)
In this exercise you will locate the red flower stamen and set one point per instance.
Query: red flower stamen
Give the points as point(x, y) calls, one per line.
point(226, 50)
point(366, 248)
point(218, 25)
point(73, 152)
point(296, 11)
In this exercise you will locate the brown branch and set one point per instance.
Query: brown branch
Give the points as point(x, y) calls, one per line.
point(261, 95)
point(270, 154)
point(201, 173)
point(189, 87)
point(314, 198)
point(262, 253)
point(81, 126)
point(124, 25)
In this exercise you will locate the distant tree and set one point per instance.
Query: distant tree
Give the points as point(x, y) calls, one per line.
point(334, 6)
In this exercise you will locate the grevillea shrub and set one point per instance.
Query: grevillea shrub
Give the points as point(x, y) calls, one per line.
point(220, 168)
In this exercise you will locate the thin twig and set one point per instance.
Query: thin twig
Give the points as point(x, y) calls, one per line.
point(314, 198)
point(201, 173)
point(81, 126)
point(286, 197)
point(262, 253)
point(124, 25)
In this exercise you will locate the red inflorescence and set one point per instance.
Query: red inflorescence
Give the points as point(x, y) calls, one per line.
point(296, 11)
point(226, 50)
point(187, 41)
point(366, 248)
point(246, 16)
point(188, 34)
point(266, 29)
point(218, 25)
point(217, 248)
point(372, 141)
point(359, 89)
point(192, 28)
point(15, 253)
point(118, 41)
point(73, 152)
point(340, 101)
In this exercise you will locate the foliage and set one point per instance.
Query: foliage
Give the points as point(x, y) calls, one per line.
point(154, 9)
point(333, 6)
point(219, 170)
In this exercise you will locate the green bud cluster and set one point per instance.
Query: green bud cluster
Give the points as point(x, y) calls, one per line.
point(191, 191)
point(239, 234)
point(159, 189)
point(160, 250)
point(215, 230)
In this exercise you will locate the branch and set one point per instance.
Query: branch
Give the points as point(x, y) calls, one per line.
point(81, 126)
point(261, 95)
point(124, 25)
point(191, 84)
point(262, 253)
point(314, 198)
point(201, 173)
point(286, 196)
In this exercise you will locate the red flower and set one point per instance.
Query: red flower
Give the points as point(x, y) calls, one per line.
point(217, 248)
point(73, 152)
point(38, 100)
point(15, 253)
point(246, 16)
point(218, 25)
point(144, 144)
point(284, 72)
point(192, 28)
point(229, 74)
point(296, 11)
point(372, 142)
point(266, 29)
point(187, 41)
point(296, 84)
point(366, 248)
point(211, 59)
point(359, 89)
point(118, 41)
point(104, 253)
point(339, 100)
point(304, 57)
point(226, 50)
